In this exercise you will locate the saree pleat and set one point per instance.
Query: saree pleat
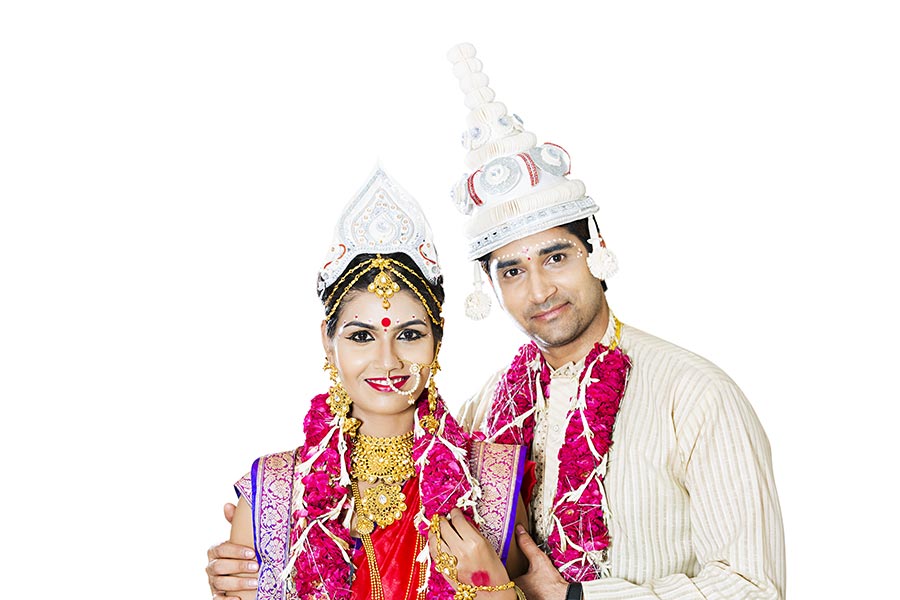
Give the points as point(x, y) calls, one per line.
point(395, 554)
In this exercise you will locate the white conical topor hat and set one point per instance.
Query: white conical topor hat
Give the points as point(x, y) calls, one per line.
point(382, 218)
point(517, 188)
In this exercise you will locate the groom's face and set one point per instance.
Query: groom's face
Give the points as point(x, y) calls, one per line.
point(544, 283)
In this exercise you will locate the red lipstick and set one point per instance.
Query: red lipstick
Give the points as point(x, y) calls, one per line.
point(380, 384)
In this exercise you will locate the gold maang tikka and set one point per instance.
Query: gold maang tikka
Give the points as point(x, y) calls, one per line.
point(384, 287)
point(339, 400)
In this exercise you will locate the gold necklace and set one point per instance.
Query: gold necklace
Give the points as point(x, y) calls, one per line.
point(374, 573)
point(385, 462)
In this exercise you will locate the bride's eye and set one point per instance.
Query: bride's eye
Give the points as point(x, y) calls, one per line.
point(360, 336)
point(410, 335)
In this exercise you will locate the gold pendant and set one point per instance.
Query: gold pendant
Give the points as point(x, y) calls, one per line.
point(382, 504)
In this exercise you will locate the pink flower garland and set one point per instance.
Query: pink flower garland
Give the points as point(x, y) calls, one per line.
point(322, 568)
point(444, 480)
point(581, 519)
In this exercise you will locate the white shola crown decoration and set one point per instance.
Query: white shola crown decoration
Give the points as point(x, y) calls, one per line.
point(516, 187)
point(382, 218)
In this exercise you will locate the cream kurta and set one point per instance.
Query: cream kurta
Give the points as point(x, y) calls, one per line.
point(690, 499)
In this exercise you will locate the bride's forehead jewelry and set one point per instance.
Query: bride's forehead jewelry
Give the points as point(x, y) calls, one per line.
point(384, 285)
point(381, 220)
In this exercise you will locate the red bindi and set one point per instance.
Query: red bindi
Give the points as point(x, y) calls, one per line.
point(385, 322)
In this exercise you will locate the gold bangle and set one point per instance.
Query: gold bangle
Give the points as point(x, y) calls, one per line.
point(446, 564)
point(520, 595)
point(469, 592)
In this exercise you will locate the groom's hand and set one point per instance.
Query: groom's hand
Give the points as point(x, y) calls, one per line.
point(542, 581)
point(226, 562)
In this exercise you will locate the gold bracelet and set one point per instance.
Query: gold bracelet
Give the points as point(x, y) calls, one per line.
point(446, 564)
point(468, 592)
point(520, 595)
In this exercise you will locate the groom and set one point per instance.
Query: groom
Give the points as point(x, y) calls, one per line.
point(653, 474)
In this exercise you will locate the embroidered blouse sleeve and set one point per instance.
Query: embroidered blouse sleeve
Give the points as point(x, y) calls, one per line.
point(736, 528)
point(243, 487)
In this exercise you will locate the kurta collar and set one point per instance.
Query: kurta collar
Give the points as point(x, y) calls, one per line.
point(573, 369)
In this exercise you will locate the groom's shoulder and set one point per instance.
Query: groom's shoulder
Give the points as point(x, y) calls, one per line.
point(652, 354)
point(474, 411)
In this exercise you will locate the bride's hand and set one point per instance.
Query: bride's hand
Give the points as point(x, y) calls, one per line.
point(476, 561)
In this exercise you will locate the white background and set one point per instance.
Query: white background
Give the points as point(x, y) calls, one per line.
point(171, 173)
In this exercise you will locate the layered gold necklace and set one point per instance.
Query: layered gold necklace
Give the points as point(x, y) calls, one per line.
point(416, 574)
point(386, 463)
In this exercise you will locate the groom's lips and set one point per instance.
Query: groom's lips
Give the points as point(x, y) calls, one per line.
point(549, 315)
point(380, 384)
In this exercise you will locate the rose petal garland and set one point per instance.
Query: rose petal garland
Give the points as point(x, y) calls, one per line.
point(445, 482)
point(320, 539)
point(511, 419)
point(579, 538)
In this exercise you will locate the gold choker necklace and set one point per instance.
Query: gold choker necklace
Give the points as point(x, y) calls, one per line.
point(386, 462)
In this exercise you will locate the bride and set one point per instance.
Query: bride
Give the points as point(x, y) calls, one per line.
point(386, 497)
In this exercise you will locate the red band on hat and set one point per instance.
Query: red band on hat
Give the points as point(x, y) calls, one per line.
point(532, 168)
point(471, 186)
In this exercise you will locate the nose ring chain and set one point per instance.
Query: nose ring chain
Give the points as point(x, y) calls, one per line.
point(416, 370)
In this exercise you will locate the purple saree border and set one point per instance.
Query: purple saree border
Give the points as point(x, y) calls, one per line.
point(499, 468)
point(520, 472)
point(270, 487)
point(254, 475)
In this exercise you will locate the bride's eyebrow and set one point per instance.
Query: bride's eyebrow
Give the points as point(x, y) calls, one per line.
point(411, 323)
point(359, 324)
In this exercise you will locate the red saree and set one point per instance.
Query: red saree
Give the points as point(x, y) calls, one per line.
point(396, 547)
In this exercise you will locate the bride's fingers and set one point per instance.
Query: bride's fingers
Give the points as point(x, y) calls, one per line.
point(432, 546)
point(461, 525)
point(449, 533)
point(445, 530)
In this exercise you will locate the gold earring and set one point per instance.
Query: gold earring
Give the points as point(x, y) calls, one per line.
point(430, 422)
point(339, 400)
